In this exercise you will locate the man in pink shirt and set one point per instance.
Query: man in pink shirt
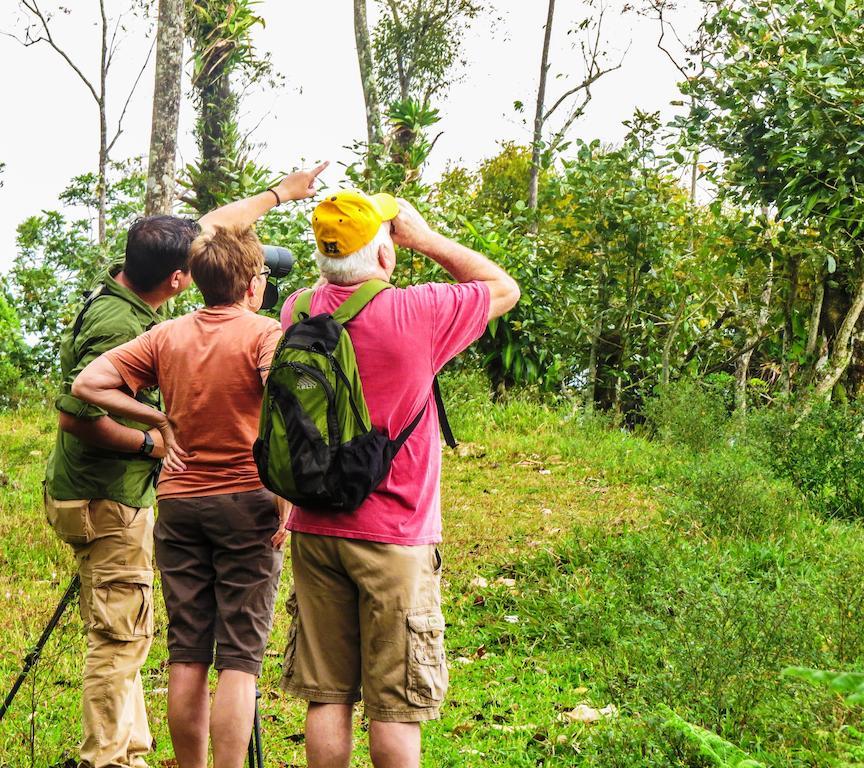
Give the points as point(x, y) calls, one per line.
point(367, 606)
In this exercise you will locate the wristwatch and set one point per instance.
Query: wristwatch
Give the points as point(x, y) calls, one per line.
point(147, 446)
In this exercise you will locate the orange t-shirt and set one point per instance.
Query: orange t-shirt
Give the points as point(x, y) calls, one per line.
point(209, 366)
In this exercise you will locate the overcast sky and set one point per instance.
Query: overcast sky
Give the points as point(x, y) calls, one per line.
point(49, 130)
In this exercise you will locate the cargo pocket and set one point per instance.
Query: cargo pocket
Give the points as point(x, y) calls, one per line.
point(291, 645)
point(70, 520)
point(121, 602)
point(427, 664)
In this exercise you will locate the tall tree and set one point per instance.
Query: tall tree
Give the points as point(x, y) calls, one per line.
point(367, 74)
point(573, 101)
point(418, 45)
point(166, 108)
point(538, 112)
point(783, 102)
point(221, 38)
point(38, 28)
point(690, 61)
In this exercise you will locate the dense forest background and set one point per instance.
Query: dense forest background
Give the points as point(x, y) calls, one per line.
point(632, 280)
point(699, 285)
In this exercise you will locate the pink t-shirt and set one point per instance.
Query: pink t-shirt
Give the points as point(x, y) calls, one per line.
point(402, 338)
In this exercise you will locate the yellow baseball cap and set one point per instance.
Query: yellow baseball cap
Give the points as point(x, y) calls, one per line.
point(346, 221)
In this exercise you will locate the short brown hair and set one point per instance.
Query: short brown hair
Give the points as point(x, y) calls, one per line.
point(223, 262)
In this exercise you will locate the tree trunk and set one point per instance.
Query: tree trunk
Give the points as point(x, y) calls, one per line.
point(218, 107)
point(815, 317)
point(625, 328)
point(670, 340)
point(103, 127)
point(159, 196)
point(788, 329)
point(841, 352)
point(102, 174)
point(742, 367)
point(597, 332)
point(534, 179)
point(367, 74)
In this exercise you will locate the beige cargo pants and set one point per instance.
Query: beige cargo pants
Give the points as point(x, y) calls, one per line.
point(113, 545)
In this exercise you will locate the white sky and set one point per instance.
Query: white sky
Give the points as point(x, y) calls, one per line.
point(49, 125)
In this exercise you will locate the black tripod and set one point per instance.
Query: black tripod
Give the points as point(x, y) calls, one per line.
point(33, 657)
point(256, 754)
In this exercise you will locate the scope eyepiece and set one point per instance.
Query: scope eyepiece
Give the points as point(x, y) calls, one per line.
point(280, 260)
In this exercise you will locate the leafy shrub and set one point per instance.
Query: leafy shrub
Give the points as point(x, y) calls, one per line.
point(823, 454)
point(733, 495)
point(689, 413)
point(13, 356)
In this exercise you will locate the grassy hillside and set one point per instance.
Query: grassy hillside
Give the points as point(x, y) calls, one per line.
point(589, 573)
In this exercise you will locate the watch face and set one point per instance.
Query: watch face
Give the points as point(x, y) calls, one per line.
point(147, 445)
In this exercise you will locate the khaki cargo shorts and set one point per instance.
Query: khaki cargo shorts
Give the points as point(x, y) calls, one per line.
point(366, 617)
point(113, 544)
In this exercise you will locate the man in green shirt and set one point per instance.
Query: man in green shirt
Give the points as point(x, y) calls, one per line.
point(100, 490)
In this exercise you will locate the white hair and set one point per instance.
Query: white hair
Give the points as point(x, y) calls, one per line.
point(355, 267)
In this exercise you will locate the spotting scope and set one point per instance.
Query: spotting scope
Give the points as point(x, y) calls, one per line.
point(280, 260)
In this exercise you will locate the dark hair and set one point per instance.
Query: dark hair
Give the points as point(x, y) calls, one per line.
point(156, 246)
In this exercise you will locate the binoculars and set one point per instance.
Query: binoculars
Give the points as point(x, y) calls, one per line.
point(281, 262)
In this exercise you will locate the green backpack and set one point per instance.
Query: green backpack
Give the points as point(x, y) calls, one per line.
point(316, 445)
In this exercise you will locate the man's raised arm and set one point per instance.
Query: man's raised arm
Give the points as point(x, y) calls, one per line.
point(244, 213)
point(410, 230)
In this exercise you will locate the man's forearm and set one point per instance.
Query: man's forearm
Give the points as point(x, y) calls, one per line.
point(100, 384)
point(244, 213)
point(106, 433)
point(461, 262)
point(240, 214)
point(465, 265)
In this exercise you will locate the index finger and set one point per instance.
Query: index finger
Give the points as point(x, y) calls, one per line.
point(319, 169)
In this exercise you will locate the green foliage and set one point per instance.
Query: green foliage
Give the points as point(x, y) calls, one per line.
point(784, 103)
point(721, 753)
point(618, 269)
point(14, 354)
point(822, 454)
point(396, 165)
point(526, 345)
point(223, 33)
point(690, 413)
point(502, 181)
point(850, 685)
point(59, 260)
point(222, 46)
point(417, 45)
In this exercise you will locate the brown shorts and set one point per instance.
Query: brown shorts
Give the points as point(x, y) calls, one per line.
point(366, 616)
point(220, 574)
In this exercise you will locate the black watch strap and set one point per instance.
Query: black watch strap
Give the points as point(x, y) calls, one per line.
point(147, 446)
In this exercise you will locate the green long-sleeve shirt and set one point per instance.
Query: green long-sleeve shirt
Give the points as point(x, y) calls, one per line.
point(75, 469)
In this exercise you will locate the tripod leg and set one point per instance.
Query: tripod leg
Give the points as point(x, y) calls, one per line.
point(256, 752)
point(33, 657)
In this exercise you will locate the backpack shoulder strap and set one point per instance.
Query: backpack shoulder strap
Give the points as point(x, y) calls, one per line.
point(443, 421)
point(302, 305)
point(360, 298)
point(79, 320)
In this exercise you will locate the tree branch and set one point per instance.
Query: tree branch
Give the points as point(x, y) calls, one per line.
point(33, 7)
point(129, 98)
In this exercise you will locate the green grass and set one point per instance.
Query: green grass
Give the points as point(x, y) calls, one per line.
point(618, 571)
